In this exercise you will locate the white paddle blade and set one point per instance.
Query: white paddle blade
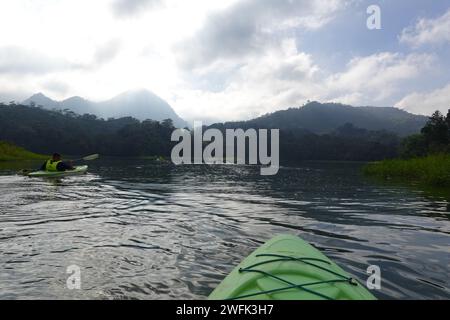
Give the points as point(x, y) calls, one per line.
point(91, 157)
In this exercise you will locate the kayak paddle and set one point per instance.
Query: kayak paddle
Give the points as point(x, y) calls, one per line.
point(89, 158)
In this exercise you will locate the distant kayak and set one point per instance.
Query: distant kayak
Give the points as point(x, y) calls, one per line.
point(288, 268)
point(42, 174)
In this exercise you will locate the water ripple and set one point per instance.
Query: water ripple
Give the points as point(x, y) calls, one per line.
point(145, 231)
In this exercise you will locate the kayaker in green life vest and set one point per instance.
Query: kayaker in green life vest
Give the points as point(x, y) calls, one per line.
point(56, 164)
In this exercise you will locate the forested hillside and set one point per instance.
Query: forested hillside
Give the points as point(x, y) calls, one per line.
point(45, 131)
point(322, 118)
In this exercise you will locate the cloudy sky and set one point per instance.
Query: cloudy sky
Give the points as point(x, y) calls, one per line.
point(229, 59)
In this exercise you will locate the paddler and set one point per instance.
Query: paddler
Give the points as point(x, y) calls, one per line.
point(56, 164)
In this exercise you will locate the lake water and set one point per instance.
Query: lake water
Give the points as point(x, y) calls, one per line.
point(154, 231)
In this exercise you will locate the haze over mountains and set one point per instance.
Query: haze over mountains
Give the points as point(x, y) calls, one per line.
point(315, 117)
point(313, 132)
point(139, 104)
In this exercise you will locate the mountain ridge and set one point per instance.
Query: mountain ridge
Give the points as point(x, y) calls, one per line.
point(140, 104)
point(315, 117)
point(323, 118)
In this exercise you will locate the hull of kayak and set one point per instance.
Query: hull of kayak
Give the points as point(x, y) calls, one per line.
point(288, 268)
point(44, 174)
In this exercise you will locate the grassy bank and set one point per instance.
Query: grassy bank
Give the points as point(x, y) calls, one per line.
point(433, 170)
point(10, 152)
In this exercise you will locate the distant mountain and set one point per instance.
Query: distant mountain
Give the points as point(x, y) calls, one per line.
point(140, 104)
point(39, 99)
point(321, 118)
point(44, 131)
point(80, 105)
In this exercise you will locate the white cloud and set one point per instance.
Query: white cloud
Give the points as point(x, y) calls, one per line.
point(283, 77)
point(249, 27)
point(107, 52)
point(125, 8)
point(427, 103)
point(280, 77)
point(375, 78)
point(428, 31)
point(226, 60)
point(71, 40)
point(18, 60)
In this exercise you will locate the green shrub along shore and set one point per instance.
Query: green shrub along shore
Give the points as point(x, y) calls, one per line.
point(433, 170)
point(10, 152)
point(425, 157)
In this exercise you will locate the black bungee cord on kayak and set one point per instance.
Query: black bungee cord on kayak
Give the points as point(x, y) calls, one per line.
point(281, 258)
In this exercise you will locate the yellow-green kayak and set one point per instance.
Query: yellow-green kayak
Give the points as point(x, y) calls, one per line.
point(288, 268)
point(44, 174)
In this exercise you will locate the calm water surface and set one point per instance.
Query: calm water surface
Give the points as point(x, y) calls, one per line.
point(154, 231)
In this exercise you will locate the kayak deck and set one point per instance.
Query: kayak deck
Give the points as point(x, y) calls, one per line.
point(288, 268)
point(77, 171)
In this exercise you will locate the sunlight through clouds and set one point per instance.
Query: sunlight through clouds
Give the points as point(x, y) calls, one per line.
point(210, 59)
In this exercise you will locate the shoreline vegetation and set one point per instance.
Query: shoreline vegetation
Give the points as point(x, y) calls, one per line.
point(11, 152)
point(433, 170)
point(424, 158)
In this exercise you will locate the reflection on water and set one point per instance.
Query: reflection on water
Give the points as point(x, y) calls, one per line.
point(154, 231)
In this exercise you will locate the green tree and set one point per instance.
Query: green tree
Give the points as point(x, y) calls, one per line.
point(447, 120)
point(167, 123)
point(436, 131)
point(414, 146)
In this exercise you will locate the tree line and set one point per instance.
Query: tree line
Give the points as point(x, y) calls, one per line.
point(45, 131)
point(434, 138)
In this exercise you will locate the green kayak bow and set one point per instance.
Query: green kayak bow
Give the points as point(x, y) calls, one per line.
point(288, 268)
